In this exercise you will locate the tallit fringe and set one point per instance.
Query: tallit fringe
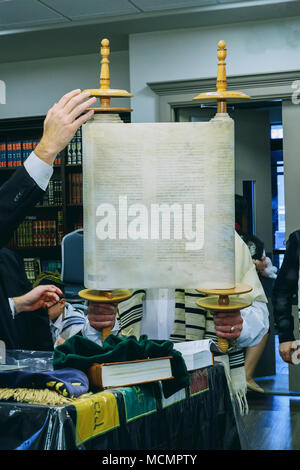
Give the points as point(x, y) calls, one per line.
point(242, 401)
point(237, 390)
point(36, 396)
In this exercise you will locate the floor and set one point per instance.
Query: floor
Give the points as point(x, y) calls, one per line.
point(273, 421)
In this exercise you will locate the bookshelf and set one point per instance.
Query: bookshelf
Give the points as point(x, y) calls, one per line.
point(38, 239)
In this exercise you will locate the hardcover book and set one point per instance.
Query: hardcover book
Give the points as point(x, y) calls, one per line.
point(121, 374)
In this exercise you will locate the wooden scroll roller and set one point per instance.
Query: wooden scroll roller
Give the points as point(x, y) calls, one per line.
point(221, 95)
point(223, 304)
point(104, 93)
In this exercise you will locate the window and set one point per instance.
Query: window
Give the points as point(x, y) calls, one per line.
point(278, 204)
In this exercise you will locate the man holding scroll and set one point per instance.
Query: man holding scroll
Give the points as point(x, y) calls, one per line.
point(25, 188)
point(173, 314)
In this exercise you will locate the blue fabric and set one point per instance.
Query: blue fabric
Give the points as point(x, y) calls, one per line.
point(68, 382)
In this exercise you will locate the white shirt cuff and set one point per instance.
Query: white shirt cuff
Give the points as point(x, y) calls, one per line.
point(12, 307)
point(39, 170)
point(255, 324)
point(96, 336)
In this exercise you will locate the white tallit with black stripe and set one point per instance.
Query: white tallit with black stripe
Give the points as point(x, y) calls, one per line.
point(193, 323)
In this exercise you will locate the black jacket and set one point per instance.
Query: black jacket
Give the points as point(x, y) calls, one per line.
point(17, 196)
point(32, 328)
point(285, 292)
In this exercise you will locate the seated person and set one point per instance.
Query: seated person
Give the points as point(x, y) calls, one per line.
point(31, 308)
point(29, 323)
point(66, 320)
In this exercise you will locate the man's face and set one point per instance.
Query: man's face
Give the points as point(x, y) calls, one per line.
point(56, 310)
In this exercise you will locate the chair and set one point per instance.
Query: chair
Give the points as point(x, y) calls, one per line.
point(72, 272)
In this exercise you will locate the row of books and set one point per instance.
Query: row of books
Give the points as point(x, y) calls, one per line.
point(14, 154)
point(53, 195)
point(74, 149)
point(75, 188)
point(34, 266)
point(33, 233)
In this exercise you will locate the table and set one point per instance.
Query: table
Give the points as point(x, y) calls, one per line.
point(130, 418)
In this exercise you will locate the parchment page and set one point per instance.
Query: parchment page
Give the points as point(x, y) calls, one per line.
point(159, 204)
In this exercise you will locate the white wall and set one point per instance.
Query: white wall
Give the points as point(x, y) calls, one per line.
point(32, 87)
point(259, 47)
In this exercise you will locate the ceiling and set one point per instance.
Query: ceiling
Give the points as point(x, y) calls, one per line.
point(32, 29)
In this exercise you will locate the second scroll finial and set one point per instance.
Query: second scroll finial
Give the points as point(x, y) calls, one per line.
point(104, 73)
point(221, 75)
point(221, 95)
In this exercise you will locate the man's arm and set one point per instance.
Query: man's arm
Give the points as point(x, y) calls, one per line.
point(43, 296)
point(24, 189)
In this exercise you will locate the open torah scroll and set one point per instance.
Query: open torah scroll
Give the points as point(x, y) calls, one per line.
point(159, 204)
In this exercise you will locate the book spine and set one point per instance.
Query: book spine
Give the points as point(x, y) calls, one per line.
point(69, 154)
point(19, 148)
point(74, 150)
point(76, 192)
point(79, 146)
point(9, 154)
point(13, 157)
point(59, 227)
point(3, 154)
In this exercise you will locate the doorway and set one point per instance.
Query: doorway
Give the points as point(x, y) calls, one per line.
point(259, 181)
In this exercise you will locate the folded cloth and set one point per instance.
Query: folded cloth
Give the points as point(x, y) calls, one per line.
point(80, 353)
point(67, 382)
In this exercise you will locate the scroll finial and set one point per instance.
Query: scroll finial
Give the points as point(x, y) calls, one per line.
point(221, 76)
point(221, 95)
point(104, 73)
point(104, 93)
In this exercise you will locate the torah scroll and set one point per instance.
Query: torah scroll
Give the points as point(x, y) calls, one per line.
point(159, 204)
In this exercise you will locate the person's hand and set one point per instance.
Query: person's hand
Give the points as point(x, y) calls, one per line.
point(60, 341)
point(40, 297)
point(260, 264)
point(101, 315)
point(62, 122)
point(228, 325)
point(286, 350)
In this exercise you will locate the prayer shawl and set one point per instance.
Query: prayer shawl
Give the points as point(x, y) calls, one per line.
point(190, 323)
point(193, 323)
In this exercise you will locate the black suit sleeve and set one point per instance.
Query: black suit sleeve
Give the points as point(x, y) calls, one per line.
point(31, 329)
point(286, 288)
point(17, 196)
